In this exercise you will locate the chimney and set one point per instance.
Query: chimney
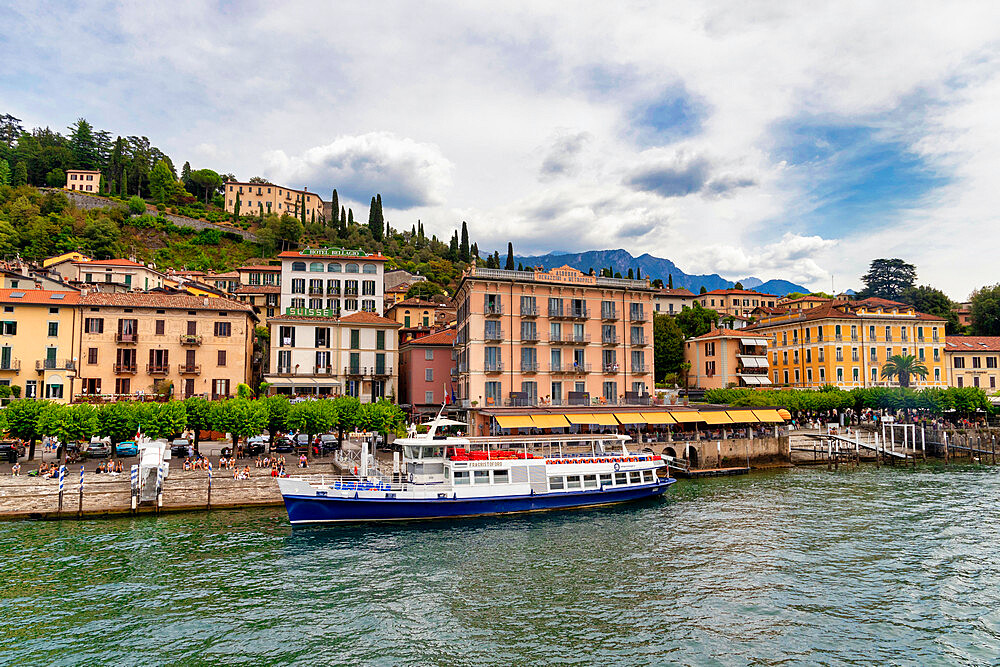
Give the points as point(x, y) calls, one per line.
point(206, 300)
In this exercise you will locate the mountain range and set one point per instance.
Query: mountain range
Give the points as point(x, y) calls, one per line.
point(655, 267)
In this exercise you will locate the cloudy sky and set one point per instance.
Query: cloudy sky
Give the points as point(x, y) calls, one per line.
point(792, 140)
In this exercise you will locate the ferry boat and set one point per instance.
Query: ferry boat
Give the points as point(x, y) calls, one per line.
point(455, 477)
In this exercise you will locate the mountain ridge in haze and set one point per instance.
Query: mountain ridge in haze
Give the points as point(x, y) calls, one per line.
point(654, 267)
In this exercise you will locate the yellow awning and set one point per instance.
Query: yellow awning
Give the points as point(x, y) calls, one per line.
point(784, 414)
point(515, 421)
point(742, 416)
point(582, 418)
point(605, 419)
point(718, 417)
point(687, 417)
point(768, 416)
point(549, 421)
point(630, 418)
point(658, 418)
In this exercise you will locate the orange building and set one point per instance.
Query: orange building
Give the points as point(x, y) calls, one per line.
point(271, 198)
point(553, 337)
point(739, 302)
point(726, 357)
point(86, 180)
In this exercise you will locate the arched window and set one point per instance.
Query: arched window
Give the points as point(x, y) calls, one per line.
point(369, 268)
point(298, 266)
point(316, 266)
point(351, 268)
point(333, 267)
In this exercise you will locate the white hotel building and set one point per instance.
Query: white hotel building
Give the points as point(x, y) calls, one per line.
point(330, 338)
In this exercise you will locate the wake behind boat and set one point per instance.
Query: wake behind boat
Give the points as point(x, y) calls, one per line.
point(462, 477)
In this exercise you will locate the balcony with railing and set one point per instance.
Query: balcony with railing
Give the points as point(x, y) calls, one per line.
point(888, 338)
point(571, 369)
point(382, 371)
point(577, 313)
point(323, 370)
point(190, 339)
point(13, 365)
point(556, 313)
point(54, 365)
point(577, 339)
point(530, 337)
point(125, 369)
point(350, 291)
point(529, 311)
point(316, 291)
point(157, 369)
point(610, 369)
point(638, 316)
point(638, 341)
point(493, 367)
point(493, 309)
point(189, 369)
point(529, 366)
point(354, 371)
point(333, 291)
point(121, 337)
point(610, 339)
point(493, 334)
point(640, 369)
point(608, 314)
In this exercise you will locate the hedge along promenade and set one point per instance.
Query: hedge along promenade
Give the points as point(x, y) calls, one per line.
point(32, 419)
point(932, 400)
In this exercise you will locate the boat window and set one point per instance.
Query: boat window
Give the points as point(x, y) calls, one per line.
point(635, 477)
point(433, 452)
point(461, 477)
point(410, 452)
point(590, 481)
point(501, 477)
point(647, 476)
point(447, 472)
point(573, 482)
point(621, 478)
point(606, 479)
point(481, 477)
point(556, 483)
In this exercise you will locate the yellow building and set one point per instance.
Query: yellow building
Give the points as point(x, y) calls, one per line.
point(739, 302)
point(972, 361)
point(846, 343)
point(271, 198)
point(421, 313)
point(726, 357)
point(37, 333)
point(86, 180)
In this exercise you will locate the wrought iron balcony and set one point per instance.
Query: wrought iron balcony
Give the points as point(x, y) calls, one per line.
point(11, 365)
point(639, 341)
point(529, 366)
point(639, 316)
point(529, 311)
point(493, 334)
point(611, 369)
point(125, 369)
point(493, 309)
point(55, 365)
point(126, 337)
point(189, 369)
point(609, 314)
point(493, 367)
point(611, 339)
point(190, 339)
point(157, 369)
point(530, 337)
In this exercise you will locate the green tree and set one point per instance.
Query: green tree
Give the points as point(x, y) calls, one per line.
point(162, 420)
point(289, 230)
point(343, 223)
point(199, 414)
point(902, 367)
point(510, 257)
point(668, 346)
point(277, 414)
point(161, 180)
point(207, 181)
point(55, 178)
point(703, 290)
point(423, 290)
point(244, 418)
point(136, 205)
point(738, 285)
point(236, 209)
point(20, 174)
point(311, 418)
point(4, 172)
point(887, 278)
point(695, 320)
point(117, 421)
point(83, 144)
point(347, 412)
point(381, 417)
point(185, 174)
point(23, 417)
point(463, 246)
point(334, 209)
point(69, 423)
point(670, 281)
point(926, 299)
point(985, 311)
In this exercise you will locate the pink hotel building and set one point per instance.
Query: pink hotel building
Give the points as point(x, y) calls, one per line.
point(557, 337)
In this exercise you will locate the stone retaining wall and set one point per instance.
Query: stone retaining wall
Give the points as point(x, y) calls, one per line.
point(727, 453)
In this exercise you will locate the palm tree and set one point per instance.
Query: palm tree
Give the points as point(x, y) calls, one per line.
point(902, 366)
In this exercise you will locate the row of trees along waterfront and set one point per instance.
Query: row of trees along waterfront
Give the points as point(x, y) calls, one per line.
point(32, 419)
point(933, 400)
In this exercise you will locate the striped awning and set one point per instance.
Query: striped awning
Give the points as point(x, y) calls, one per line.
point(582, 418)
point(770, 416)
point(549, 421)
point(515, 421)
point(716, 417)
point(688, 417)
point(659, 418)
point(742, 416)
point(630, 418)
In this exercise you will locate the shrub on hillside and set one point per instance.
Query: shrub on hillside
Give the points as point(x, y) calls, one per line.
point(136, 206)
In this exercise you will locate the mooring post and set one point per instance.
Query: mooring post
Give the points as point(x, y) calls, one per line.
point(945, 446)
point(62, 479)
point(829, 452)
point(209, 503)
point(923, 442)
point(79, 511)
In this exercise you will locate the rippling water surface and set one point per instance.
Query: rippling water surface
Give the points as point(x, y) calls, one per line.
point(804, 566)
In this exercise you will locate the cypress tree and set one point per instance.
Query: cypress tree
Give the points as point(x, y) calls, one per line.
point(420, 229)
point(520, 267)
point(379, 221)
point(413, 232)
point(475, 250)
point(236, 209)
point(638, 273)
point(670, 281)
point(4, 172)
point(702, 290)
point(334, 207)
point(618, 274)
point(496, 259)
point(453, 247)
point(302, 213)
point(20, 174)
point(260, 206)
point(510, 257)
point(343, 222)
point(371, 217)
point(350, 217)
point(185, 172)
point(463, 246)
point(631, 275)
point(312, 219)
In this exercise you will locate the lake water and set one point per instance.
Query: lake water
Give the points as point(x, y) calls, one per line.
point(802, 566)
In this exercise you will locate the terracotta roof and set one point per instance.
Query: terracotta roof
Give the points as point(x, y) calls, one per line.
point(227, 274)
point(39, 296)
point(148, 300)
point(722, 332)
point(443, 337)
point(362, 317)
point(676, 291)
point(291, 254)
point(114, 262)
point(272, 185)
point(878, 301)
point(257, 289)
point(841, 310)
point(260, 267)
point(417, 302)
point(401, 287)
point(972, 343)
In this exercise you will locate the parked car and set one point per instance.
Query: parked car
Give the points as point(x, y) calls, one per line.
point(283, 444)
point(97, 450)
point(327, 443)
point(255, 446)
point(10, 450)
point(179, 447)
point(126, 448)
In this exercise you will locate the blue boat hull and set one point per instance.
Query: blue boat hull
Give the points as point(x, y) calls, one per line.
point(313, 509)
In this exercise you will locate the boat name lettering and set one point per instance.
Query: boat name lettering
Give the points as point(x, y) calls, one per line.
point(485, 464)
